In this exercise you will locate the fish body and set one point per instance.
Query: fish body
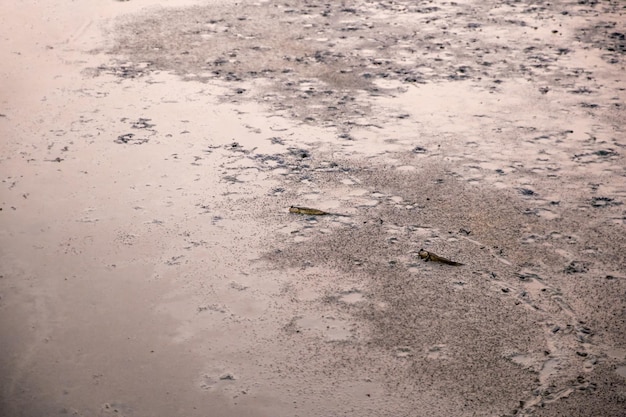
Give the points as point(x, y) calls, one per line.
point(307, 211)
point(429, 256)
point(313, 212)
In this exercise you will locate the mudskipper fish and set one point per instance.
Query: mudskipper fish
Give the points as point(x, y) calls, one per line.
point(429, 256)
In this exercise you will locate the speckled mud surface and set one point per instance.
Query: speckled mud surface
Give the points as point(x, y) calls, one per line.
point(169, 279)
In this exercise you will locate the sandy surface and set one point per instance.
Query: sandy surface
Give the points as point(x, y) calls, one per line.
point(151, 149)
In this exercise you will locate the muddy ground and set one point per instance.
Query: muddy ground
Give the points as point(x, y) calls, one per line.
point(149, 265)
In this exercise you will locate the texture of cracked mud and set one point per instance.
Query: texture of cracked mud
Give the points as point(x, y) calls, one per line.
point(149, 265)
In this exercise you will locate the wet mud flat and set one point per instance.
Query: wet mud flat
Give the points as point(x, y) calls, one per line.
point(501, 144)
point(490, 133)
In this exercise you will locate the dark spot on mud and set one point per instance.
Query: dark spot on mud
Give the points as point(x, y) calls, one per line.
point(606, 152)
point(129, 138)
point(527, 191)
point(577, 267)
point(142, 123)
point(604, 202)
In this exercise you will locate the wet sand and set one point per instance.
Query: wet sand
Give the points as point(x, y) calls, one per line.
point(149, 265)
